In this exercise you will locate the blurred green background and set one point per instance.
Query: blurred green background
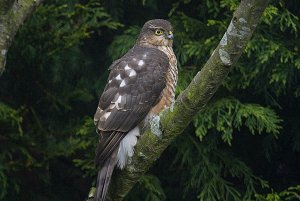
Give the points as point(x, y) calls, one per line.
point(244, 146)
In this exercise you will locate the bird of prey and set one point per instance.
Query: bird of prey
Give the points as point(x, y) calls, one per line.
point(141, 84)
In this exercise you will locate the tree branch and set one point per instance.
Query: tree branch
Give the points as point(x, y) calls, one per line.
point(12, 15)
point(193, 99)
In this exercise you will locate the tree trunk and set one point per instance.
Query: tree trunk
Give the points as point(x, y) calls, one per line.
point(12, 15)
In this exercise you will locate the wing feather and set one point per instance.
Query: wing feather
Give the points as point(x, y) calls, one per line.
point(134, 85)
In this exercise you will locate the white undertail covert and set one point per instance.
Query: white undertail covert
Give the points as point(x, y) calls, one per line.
point(126, 148)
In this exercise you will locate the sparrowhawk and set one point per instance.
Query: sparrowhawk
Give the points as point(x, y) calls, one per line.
point(141, 84)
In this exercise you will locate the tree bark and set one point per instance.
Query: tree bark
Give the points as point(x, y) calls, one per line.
point(192, 100)
point(12, 15)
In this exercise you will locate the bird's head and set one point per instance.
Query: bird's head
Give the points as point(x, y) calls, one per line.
point(156, 32)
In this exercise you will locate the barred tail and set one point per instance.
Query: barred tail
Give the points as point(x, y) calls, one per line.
point(104, 176)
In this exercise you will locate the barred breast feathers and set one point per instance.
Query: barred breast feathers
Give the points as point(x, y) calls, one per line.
point(168, 94)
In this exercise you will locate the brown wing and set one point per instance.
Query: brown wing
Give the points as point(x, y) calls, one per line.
point(134, 86)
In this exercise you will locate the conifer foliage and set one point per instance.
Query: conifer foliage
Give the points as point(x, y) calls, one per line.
point(243, 146)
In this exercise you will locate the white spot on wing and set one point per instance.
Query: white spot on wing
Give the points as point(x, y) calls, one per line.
point(112, 106)
point(95, 120)
point(109, 81)
point(99, 110)
point(141, 62)
point(144, 56)
point(127, 67)
point(132, 73)
point(126, 148)
point(119, 100)
point(122, 83)
point(118, 77)
point(105, 116)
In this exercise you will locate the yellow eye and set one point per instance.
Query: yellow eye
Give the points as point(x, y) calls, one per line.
point(158, 32)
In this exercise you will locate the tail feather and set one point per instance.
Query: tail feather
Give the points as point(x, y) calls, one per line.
point(104, 176)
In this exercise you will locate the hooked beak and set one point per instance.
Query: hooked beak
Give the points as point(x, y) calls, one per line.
point(170, 35)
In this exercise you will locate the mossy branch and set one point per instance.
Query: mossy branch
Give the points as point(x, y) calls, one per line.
point(12, 15)
point(193, 99)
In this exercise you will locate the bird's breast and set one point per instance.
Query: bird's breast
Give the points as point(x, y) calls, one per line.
point(167, 96)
